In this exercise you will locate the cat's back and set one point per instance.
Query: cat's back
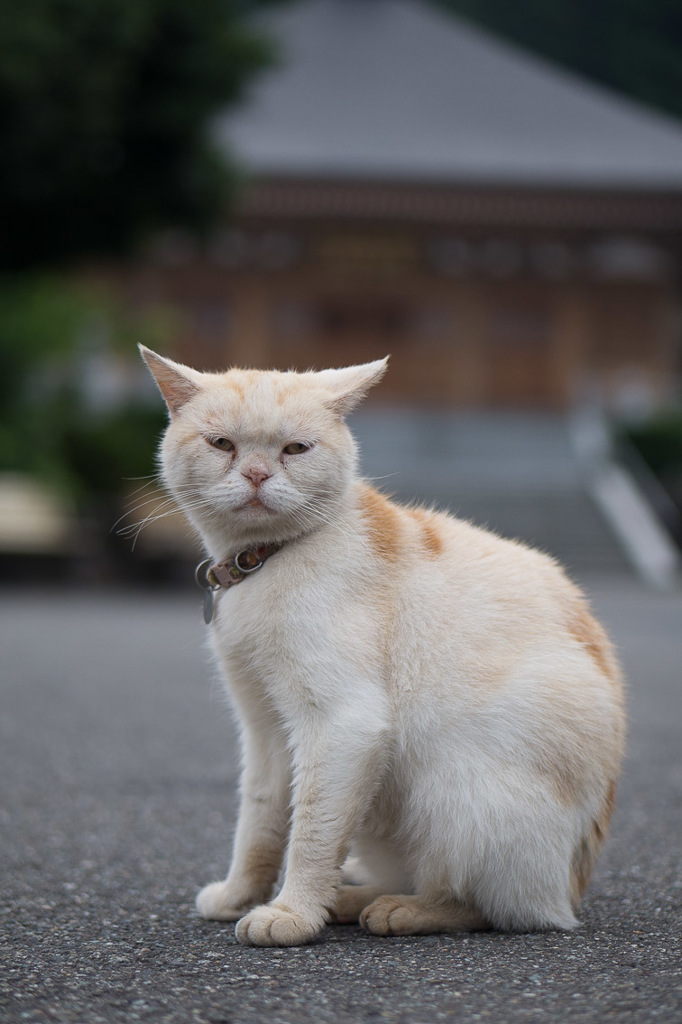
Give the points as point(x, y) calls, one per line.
point(461, 586)
point(454, 551)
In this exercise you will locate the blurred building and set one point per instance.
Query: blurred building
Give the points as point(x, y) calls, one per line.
point(508, 232)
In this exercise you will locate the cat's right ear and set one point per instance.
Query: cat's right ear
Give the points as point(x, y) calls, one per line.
point(177, 383)
point(350, 384)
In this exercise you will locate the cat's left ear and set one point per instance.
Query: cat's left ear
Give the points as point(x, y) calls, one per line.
point(349, 385)
point(177, 383)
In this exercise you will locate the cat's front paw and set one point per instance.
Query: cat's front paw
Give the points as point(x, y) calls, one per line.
point(216, 902)
point(275, 926)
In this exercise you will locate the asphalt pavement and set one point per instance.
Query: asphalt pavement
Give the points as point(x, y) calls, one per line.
point(118, 766)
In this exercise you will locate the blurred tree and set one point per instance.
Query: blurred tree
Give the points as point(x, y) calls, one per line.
point(104, 106)
point(60, 419)
point(634, 46)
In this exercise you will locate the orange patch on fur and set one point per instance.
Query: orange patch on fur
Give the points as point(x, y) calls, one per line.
point(601, 825)
point(564, 782)
point(590, 635)
point(430, 535)
point(587, 851)
point(383, 520)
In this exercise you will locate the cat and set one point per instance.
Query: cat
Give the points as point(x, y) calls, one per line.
point(431, 719)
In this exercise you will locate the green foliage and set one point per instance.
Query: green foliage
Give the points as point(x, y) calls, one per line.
point(104, 106)
point(659, 441)
point(634, 47)
point(51, 426)
point(101, 455)
point(39, 319)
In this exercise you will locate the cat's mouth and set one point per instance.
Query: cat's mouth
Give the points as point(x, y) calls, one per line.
point(255, 505)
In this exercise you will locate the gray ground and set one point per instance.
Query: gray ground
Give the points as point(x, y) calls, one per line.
point(117, 764)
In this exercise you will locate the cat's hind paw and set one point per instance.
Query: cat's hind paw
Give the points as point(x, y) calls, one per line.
point(411, 915)
point(274, 926)
point(214, 903)
point(351, 900)
point(388, 915)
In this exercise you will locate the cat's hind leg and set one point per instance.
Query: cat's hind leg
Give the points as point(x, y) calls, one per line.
point(353, 872)
point(351, 900)
point(419, 915)
point(378, 866)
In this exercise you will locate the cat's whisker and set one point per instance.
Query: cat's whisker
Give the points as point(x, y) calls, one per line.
point(168, 508)
point(132, 508)
point(159, 506)
point(385, 476)
point(150, 480)
point(163, 498)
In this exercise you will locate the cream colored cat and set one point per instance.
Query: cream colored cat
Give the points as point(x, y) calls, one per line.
point(410, 689)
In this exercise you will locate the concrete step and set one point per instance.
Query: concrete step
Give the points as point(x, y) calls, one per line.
point(515, 474)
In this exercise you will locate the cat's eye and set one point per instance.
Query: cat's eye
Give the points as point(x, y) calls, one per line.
point(296, 448)
point(222, 443)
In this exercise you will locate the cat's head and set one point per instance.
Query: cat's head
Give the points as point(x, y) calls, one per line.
point(258, 456)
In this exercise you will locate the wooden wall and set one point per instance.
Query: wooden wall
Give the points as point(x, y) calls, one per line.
point(476, 321)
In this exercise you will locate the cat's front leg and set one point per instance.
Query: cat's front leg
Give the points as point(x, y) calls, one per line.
point(260, 836)
point(340, 761)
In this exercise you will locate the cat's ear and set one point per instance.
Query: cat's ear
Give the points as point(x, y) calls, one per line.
point(176, 383)
point(349, 385)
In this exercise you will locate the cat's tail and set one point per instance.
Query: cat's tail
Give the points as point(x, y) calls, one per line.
point(587, 850)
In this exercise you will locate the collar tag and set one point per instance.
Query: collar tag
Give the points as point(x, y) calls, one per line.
point(211, 577)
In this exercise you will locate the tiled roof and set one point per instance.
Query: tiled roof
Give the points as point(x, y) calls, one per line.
point(398, 90)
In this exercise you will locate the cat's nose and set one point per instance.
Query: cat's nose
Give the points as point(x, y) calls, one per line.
point(256, 474)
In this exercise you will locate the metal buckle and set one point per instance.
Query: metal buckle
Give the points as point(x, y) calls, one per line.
point(201, 575)
point(202, 578)
point(246, 569)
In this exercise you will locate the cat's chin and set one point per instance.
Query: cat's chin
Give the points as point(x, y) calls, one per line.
point(253, 513)
point(255, 521)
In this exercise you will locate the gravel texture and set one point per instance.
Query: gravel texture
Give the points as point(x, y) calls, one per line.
point(118, 797)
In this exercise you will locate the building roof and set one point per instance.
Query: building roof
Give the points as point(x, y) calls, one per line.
point(398, 90)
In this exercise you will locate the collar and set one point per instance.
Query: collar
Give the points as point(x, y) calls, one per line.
point(213, 576)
